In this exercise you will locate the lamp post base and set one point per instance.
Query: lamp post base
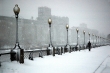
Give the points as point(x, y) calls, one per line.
point(50, 50)
point(67, 48)
point(15, 53)
point(84, 46)
point(77, 47)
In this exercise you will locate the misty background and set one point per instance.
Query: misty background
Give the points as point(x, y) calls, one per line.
point(95, 13)
point(91, 16)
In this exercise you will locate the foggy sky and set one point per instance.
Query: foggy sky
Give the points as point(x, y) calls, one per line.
point(95, 13)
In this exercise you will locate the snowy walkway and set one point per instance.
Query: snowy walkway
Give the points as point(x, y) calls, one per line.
point(106, 69)
point(75, 62)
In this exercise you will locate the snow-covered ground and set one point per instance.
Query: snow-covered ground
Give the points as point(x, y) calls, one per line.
point(95, 61)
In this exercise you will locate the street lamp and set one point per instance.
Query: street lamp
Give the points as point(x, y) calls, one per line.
point(67, 45)
point(100, 41)
point(77, 46)
point(93, 39)
point(84, 39)
point(50, 45)
point(89, 36)
point(17, 53)
point(67, 26)
point(96, 41)
point(16, 10)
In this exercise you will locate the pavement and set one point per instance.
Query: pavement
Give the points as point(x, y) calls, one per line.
point(107, 66)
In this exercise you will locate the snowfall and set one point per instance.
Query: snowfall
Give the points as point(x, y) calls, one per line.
point(95, 61)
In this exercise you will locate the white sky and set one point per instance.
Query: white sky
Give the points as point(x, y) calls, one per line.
point(95, 13)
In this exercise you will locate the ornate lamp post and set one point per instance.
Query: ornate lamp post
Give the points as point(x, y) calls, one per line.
point(89, 36)
point(84, 39)
point(67, 45)
point(16, 10)
point(67, 26)
point(93, 39)
point(96, 41)
point(100, 41)
point(103, 41)
point(50, 21)
point(17, 53)
point(77, 46)
point(50, 45)
point(77, 35)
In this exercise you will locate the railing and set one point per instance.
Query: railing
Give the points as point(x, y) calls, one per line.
point(34, 53)
point(5, 55)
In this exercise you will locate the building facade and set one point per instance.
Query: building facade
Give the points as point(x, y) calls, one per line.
point(33, 33)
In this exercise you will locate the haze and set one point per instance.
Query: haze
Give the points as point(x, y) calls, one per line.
point(94, 13)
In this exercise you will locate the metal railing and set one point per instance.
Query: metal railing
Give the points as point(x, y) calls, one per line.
point(5, 55)
point(35, 53)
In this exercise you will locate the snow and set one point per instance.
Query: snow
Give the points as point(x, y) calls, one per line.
point(95, 61)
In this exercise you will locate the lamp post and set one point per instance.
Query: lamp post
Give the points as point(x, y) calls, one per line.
point(77, 35)
point(77, 46)
point(67, 45)
point(67, 26)
point(84, 39)
point(50, 21)
point(100, 41)
point(89, 36)
point(103, 41)
point(50, 45)
point(96, 41)
point(16, 10)
point(93, 39)
point(17, 53)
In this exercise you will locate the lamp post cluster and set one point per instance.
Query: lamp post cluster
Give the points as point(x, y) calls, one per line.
point(98, 40)
point(50, 50)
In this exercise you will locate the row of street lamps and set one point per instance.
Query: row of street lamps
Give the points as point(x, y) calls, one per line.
point(16, 10)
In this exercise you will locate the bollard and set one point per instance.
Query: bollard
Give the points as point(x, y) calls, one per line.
point(12, 55)
point(21, 56)
point(60, 51)
point(70, 49)
point(0, 62)
point(48, 51)
point(53, 51)
point(63, 49)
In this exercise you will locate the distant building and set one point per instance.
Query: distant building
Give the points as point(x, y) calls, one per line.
point(82, 27)
point(33, 33)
